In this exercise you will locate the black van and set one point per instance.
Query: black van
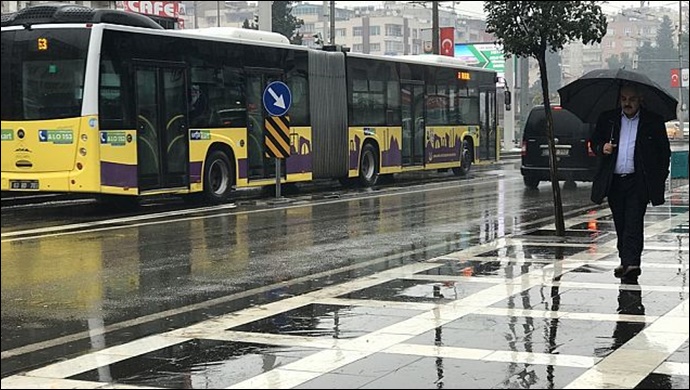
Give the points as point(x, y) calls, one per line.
point(575, 158)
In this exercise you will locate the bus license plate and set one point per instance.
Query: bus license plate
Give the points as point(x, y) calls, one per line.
point(24, 184)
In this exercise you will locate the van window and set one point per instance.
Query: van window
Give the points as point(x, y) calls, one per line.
point(565, 124)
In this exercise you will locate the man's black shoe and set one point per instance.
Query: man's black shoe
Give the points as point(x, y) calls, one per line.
point(618, 271)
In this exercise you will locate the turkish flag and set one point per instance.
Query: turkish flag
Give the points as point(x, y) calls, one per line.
point(447, 38)
point(675, 78)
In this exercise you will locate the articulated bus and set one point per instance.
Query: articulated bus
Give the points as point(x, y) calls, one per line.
point(106, 102)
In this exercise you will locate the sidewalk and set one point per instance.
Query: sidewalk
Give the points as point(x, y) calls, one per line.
point(518, 312)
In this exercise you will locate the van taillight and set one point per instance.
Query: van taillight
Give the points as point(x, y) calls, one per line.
point(523, 149)
point(590, 152)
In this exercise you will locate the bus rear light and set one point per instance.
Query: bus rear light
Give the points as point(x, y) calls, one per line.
point(80, 166)
point(84, 137)
point(523, 149)
point(82, 151)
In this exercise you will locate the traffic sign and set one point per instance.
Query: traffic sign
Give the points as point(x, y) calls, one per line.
point(277, 98)
point(277, 136)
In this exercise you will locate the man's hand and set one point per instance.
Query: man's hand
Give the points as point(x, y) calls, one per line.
point(608, 148)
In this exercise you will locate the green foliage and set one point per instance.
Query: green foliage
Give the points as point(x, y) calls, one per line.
point(249, 25)
point(620, 61)
point(283, 22)
point(657, 61)
point(529, 28)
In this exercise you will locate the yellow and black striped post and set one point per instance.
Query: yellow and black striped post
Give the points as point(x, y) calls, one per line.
point(277, 136)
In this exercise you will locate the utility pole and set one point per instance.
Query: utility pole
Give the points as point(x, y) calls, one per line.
point(332, 22)
point(218, 13)
point(196, 14)
point(680, 67)
point(435, 44)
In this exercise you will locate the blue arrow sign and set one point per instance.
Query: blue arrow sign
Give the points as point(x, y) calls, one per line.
point(277, 98)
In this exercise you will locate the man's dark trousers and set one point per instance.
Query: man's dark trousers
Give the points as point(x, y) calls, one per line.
point(628, 207)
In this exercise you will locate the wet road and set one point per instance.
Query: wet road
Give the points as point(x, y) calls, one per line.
point(78, 279)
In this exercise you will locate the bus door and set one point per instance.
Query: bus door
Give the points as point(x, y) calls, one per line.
point(488, 131)
point(162, 141)
point(413, 127)
point(259, 165)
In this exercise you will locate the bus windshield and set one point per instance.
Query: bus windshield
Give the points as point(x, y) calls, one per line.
point(43, 73)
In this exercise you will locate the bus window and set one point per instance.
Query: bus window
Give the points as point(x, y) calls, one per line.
point(45, 82)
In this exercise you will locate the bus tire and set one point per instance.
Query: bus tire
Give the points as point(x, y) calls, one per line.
point(465, 160)
point(368, 166)
point(219, 177)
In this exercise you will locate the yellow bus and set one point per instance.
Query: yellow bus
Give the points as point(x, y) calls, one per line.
point(106, 102)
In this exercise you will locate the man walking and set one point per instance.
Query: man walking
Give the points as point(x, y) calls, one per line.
point(635, 155)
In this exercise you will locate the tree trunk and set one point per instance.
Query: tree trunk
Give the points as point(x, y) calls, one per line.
point(553, 169)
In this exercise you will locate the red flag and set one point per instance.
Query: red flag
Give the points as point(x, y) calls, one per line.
point(447, 37)
point(675, 78)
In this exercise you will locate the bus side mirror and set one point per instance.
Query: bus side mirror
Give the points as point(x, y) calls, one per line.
point(507, 99)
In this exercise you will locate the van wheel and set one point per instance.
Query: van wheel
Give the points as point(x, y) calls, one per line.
point(530, 182)
point(465, 160)
point(368, 166)
point(218, 177)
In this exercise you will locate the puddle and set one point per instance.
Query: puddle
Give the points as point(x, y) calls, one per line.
point(414, 372)
point(197, 364)
point(418, 291)
point(480, 268)
point(528, 334)
point(534, 252)
point(592, 300)
point(333, 321)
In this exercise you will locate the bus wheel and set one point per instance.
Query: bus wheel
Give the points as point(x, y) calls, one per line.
point(465, 160)
point(368, 166)
point(218, 177)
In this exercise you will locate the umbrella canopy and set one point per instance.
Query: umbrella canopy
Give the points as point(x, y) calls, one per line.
point(598, 91)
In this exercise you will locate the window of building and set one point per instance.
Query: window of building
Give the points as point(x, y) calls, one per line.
point(357, 31)
point(393, 30)
point(374, 30)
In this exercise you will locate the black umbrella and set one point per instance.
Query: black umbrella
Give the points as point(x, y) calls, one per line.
point(597, 91)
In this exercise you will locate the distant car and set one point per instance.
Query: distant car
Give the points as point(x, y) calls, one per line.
point(575, 158)
point(673, 130)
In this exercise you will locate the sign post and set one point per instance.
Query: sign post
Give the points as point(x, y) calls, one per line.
point(277, 100)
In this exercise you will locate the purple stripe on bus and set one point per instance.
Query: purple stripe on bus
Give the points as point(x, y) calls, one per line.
point(391, 157)
point(298, 163)
point(118, 175)
point(195, 172)
point(242, 168)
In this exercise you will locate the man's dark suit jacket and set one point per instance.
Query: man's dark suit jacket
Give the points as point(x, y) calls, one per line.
point(652, 155)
